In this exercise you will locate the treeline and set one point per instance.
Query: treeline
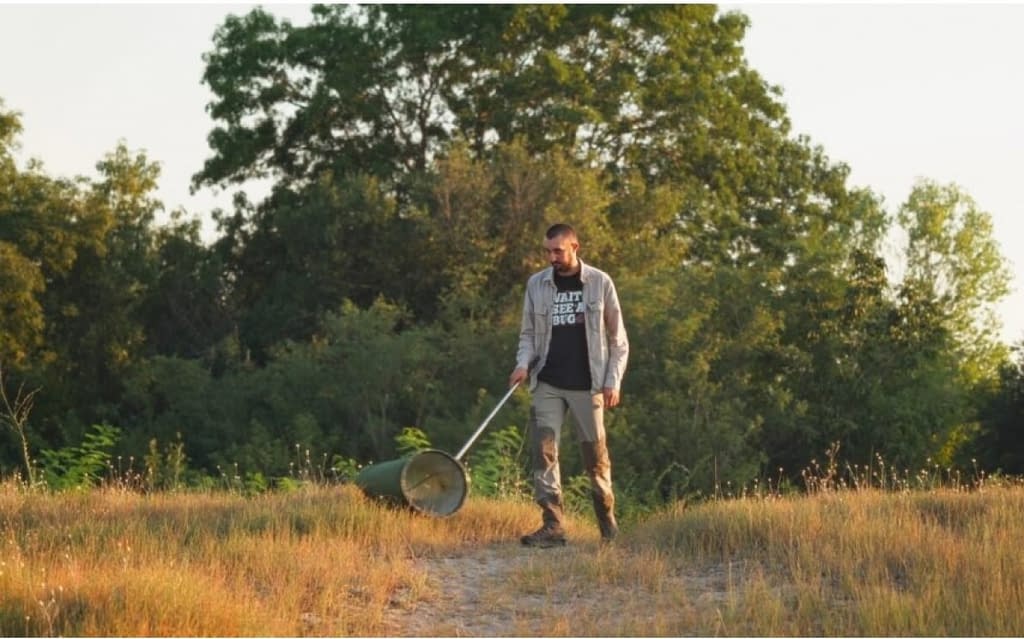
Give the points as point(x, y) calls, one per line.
point(417, 155)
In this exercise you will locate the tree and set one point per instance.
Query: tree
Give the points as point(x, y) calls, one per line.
point(484, 218)
point(94, 322)
point(44, 225)
point(1000, 441)
point(480, 125)
point(657, 99)
point(20, 279)
point(952, 251)
point(693, 412)
point(184, 311)
point(659, 93)
point(299, 255)
point(21, 322)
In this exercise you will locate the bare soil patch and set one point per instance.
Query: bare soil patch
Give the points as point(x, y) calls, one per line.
point(506, 590)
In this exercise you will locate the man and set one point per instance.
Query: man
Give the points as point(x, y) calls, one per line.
point(572, 325)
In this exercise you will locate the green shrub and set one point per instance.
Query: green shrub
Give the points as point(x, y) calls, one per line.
point(80, 466)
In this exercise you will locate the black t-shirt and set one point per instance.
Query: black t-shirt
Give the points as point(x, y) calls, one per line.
point(568, 364)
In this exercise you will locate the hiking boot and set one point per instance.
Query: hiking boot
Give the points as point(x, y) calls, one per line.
point(605, 518)
point(544, 537)
point(609, 529)
point(551, 533)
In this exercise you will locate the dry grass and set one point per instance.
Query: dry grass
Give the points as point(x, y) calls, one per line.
point(864, 562)
point(322, 561)
point(326, 561)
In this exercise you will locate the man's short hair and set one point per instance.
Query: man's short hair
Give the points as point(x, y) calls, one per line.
point(558, 230)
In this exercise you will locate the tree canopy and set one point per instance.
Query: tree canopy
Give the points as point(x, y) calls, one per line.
point(417, 153)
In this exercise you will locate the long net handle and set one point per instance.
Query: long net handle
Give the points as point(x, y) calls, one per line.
point(486, 421)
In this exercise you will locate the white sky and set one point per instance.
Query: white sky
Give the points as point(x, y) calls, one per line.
point(896, 92)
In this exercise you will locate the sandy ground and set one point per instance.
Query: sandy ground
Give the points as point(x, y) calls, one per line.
point(487, 592)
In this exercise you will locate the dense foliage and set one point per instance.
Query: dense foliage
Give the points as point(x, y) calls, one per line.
point(417, 154)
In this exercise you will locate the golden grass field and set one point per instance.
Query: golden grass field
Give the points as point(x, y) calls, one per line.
point(328, 561)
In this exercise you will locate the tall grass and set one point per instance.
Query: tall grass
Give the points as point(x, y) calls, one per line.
point(858, 562)
point(328, 561)
point(318, 561)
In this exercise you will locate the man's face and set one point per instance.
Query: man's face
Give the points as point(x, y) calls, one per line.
point(561, 252)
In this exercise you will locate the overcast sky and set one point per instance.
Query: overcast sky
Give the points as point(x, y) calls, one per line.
point(897, 92)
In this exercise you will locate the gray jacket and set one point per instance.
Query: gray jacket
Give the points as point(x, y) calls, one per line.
point(607, 345)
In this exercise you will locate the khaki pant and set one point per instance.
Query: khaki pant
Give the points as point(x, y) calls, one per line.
point(547, 414)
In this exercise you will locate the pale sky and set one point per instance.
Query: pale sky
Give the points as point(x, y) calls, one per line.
point(897, 92)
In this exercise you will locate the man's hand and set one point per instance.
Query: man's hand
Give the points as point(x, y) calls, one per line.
point(611, 397)
point(518, 375)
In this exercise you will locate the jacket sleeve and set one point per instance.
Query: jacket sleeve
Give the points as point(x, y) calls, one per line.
point(525, 354)
point(618, 342)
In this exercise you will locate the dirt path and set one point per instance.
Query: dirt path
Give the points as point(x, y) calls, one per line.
point(469, 594)
point(504, 589)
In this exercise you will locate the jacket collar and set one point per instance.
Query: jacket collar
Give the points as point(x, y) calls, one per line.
point(549, 273)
